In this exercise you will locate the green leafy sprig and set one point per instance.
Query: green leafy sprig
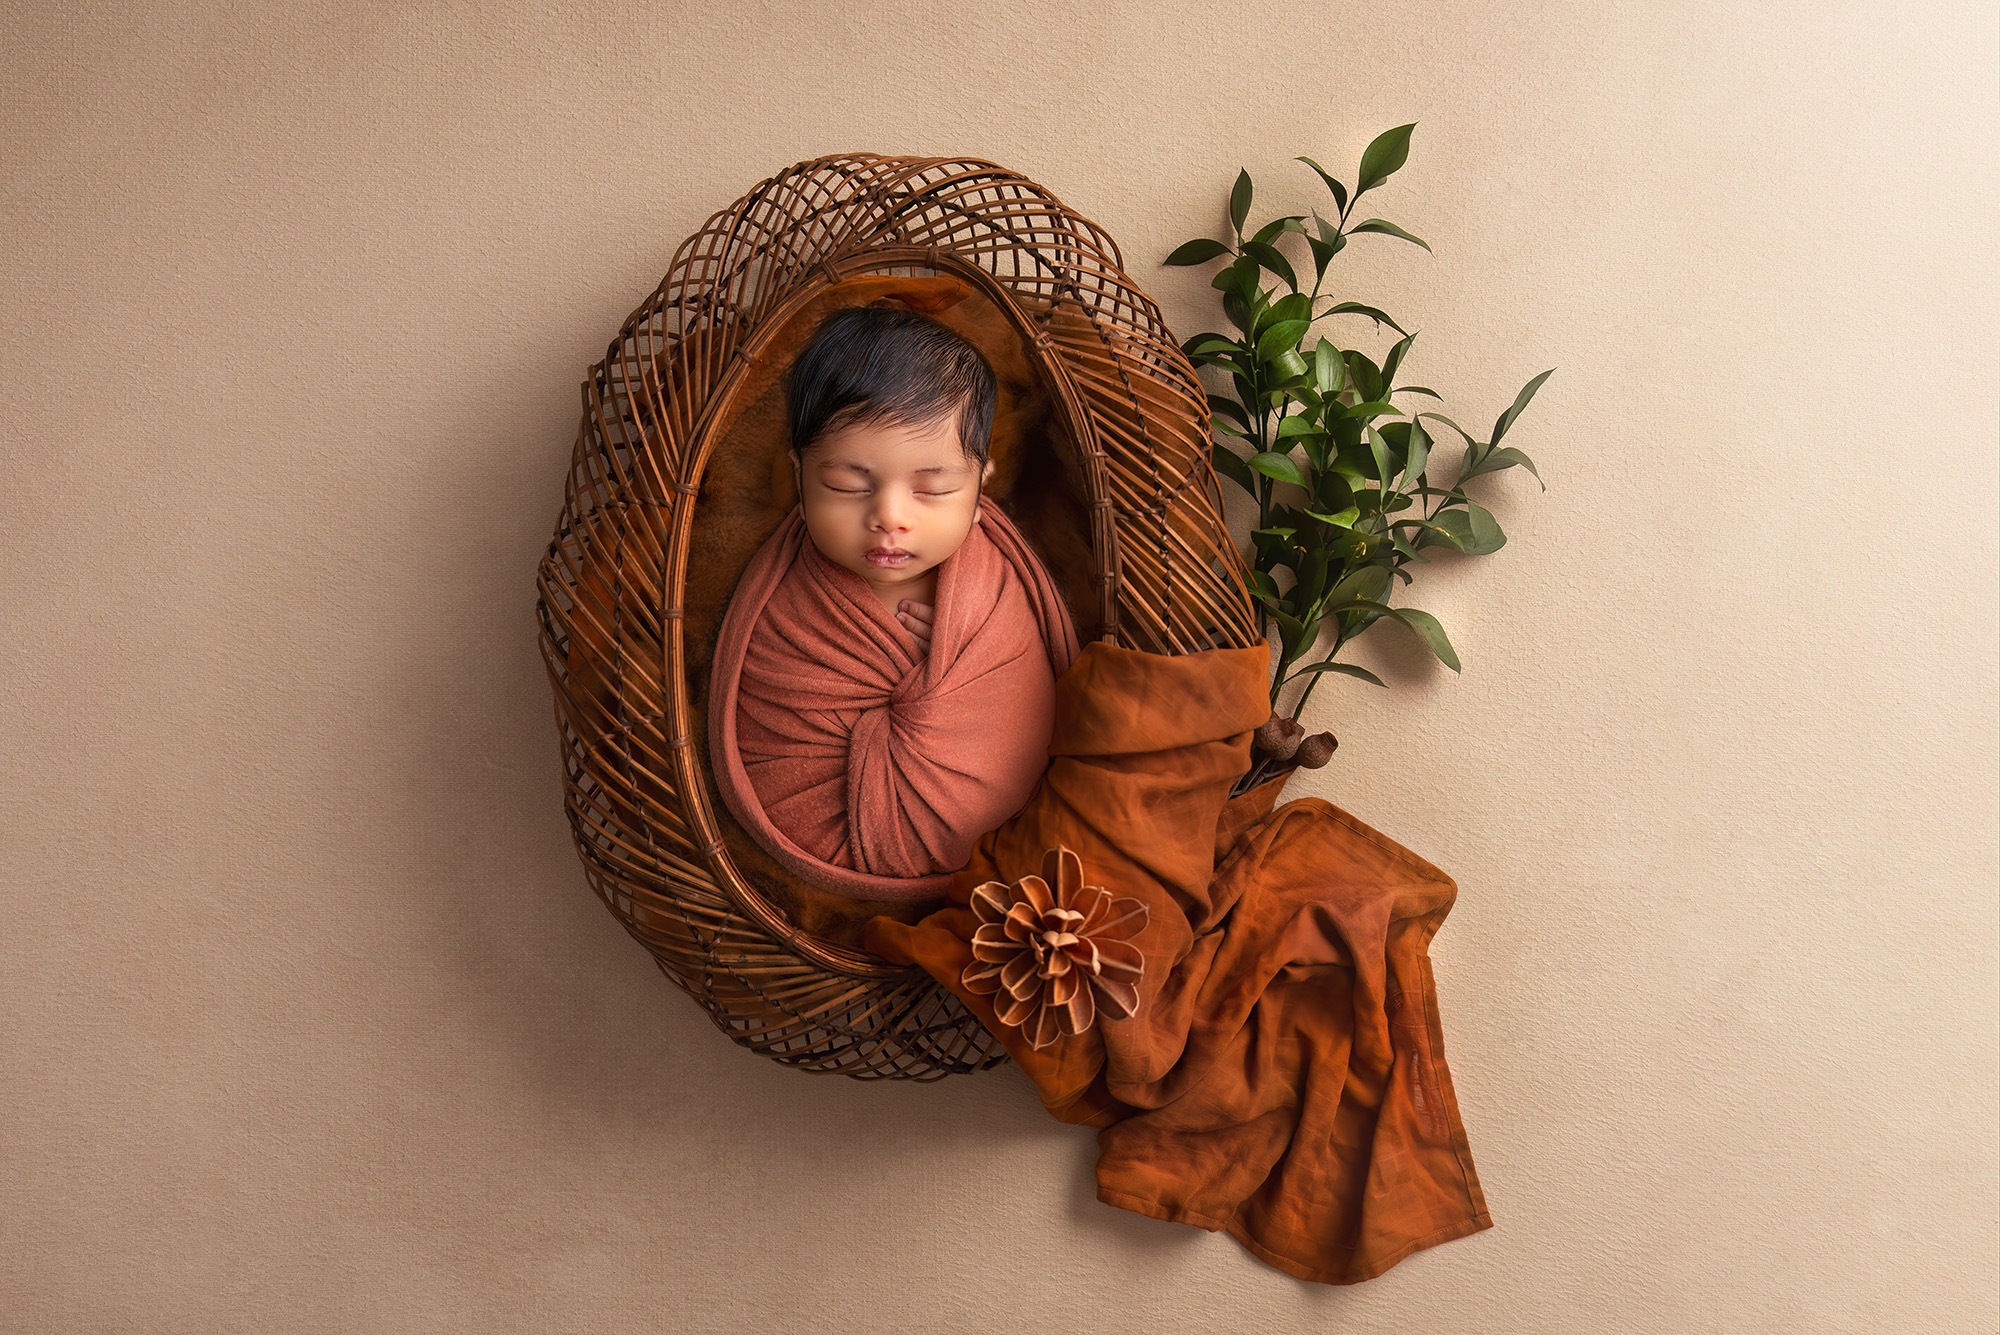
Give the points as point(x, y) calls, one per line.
point(1339, 471)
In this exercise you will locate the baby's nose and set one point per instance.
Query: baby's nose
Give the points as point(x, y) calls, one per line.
point(890, 514)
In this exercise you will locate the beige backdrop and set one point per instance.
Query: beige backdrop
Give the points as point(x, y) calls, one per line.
point(310, 1022)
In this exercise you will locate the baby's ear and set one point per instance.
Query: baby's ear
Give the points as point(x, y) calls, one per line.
point(986, 473)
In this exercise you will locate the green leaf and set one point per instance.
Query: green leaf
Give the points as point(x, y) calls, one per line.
point(1240, 277)
point(1233, 361)
point(1296, 306)
point(1334, 493)
point(1288, 366)
point(1474, 462)
point(1451, 527)
point(1226, 428)
point(1318, 449)
point(1419, 452)
point(1427, 628)
point(1506, 457)
point(1230, 464)
point(1323, 254)
point(1329, 371)
point(1486, 535)
point(1271, 230)
point(1339, 190)
point(1367, 584)
point(1269, 256)
point(1198, 251)
point(1262, 585)
point(1282, 336)
point(1430, 533)
point(1440, 417)
point(1298, 424)
point(1395, 359)
point(1330, 235)
point(1282, 467)
point(1309, 631)
point(1477, 460)
point(1382, 225)
point(1379, 449)
point(1311, 590)
point(1344, 519)
point(1239, 201)
point(1236, 308)
point(1389, 151)
point(1231, 407)
point(1373, 408)
point(1291, 631)
point(1520, 402)
point(1290, 516)
point(1356, 308)
point(1345, 669)
point(1472, 530)
point(1417, 389)
point(1273, 553)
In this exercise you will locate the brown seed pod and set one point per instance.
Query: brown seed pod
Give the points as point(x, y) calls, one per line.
point(1316, 750)
point(1278, 736)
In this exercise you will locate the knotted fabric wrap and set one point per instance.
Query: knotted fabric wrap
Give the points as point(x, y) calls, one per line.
point(1282, 1075)
point(867, 765)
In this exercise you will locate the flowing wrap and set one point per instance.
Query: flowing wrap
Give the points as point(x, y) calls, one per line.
point(1283, 1076)
point(866, 764)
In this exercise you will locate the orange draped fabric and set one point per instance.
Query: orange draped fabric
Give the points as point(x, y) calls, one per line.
point(1284, 1075)
point(865, 763)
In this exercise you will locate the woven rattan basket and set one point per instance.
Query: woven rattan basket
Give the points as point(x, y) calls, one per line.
point(1101, 451)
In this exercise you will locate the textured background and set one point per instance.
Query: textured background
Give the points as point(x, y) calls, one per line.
point(310, 1023)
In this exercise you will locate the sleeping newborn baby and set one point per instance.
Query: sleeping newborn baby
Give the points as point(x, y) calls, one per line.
point(884, 681)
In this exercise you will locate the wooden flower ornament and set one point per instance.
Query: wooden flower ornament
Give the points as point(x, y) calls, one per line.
point(1059, 949)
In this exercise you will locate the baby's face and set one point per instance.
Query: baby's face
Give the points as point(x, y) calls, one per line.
point(890, 502)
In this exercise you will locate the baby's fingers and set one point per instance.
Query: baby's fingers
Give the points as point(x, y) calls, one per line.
point(915, 618)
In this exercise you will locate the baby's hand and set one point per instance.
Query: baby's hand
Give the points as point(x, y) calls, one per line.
point(916, 618)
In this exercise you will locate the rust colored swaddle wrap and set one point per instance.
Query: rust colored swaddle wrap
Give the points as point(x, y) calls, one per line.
point(865, 763)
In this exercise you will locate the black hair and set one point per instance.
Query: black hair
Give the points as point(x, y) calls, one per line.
point(873, 364)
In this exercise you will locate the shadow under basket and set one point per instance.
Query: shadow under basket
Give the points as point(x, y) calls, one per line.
point(1100, 450)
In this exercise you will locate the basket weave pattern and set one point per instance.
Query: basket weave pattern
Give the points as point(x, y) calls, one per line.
point(1166, 576)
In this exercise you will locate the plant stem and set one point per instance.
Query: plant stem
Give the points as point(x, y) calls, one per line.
point(1299, 706)
point(1306, 694)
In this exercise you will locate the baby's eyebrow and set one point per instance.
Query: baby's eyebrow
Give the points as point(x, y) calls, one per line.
point(863, 468)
